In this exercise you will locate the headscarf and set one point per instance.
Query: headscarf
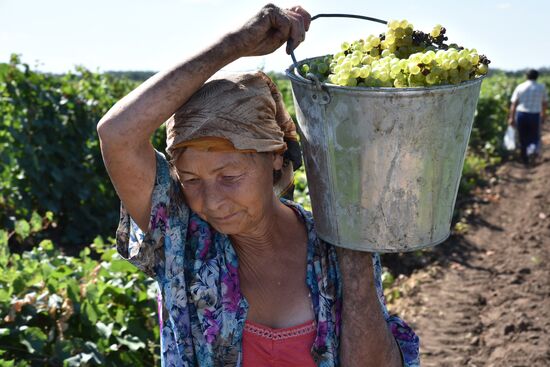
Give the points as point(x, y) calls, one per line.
point(238, 113)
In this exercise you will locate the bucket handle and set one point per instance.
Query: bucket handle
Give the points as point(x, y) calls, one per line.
point(290, 42)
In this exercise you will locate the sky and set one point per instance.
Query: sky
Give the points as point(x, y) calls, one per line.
point(106, 35)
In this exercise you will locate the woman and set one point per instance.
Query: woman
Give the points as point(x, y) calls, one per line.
point(243, 278)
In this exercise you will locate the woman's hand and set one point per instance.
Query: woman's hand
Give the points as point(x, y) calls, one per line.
point(270, 29)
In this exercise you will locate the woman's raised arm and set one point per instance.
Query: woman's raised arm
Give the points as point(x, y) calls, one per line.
point(125, 130)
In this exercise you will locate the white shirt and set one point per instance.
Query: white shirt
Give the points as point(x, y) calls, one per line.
point(529, 96)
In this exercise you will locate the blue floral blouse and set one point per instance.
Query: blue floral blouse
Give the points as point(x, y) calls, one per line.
point(201, 309)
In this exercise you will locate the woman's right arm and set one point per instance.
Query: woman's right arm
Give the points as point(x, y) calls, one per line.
point(125, 130)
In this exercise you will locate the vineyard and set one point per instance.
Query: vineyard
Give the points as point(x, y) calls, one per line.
point(66, 297)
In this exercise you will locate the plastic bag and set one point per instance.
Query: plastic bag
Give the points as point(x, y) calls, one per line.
point(510, 138)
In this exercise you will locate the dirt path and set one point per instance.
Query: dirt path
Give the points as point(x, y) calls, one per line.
point(486, 300)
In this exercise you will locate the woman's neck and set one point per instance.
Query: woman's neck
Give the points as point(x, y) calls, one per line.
point(266, 238)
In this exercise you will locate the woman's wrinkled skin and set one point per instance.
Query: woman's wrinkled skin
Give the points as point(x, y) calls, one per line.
point(234, 193)
point(221, 184)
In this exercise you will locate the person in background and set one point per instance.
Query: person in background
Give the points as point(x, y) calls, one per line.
point(527, 113)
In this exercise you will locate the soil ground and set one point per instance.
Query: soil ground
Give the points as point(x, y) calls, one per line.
point(483, 298)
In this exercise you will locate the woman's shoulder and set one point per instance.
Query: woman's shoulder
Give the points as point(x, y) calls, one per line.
point(316, 242)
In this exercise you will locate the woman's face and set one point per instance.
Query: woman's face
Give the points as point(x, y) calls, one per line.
point(231, 191)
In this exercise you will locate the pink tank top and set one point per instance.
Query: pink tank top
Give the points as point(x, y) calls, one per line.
point(286, 347)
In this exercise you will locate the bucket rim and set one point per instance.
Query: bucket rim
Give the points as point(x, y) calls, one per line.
point(295, 77)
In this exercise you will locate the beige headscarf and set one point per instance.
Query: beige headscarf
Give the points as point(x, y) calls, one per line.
point(243, 113)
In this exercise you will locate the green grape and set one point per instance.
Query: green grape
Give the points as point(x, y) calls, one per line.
point(453, 74)
point(400, 81)
point(352, 82)
point(393, 24)
point(347, 65)
point(365, 71)
point(415, 80)
point(436, 31)
point(431, 79)
point(463, 53)
point(397, 83)
point(395, 70)
point(367, 60)
point(414, 69)
point(323, 68)
point(482, 69)
point(366, 48)
point(463, 62)
point(399, 33)
point(464, 75)
point(399, 61)
point(385, 53)
point(452, 54)
point(384, 76)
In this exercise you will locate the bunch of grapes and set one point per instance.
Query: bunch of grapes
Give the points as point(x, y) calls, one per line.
point(400, 57)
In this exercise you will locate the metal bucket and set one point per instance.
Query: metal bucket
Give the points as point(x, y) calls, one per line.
point(383, 164)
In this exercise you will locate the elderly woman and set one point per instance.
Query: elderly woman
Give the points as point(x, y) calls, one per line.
point(243, 278)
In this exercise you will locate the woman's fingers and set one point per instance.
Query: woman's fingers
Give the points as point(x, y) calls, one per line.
point(282, 25)
point(306, 17)
point(271, 28)
point(297, 32)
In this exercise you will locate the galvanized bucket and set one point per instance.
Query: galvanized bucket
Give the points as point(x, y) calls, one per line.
point(383, 164)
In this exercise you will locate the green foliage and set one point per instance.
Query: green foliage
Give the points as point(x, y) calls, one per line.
point(490, 120)
point(301, 191)
point(285, 88)
point(74, 311)
point(49, 149)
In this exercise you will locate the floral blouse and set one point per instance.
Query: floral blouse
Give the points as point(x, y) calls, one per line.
point(201, 309)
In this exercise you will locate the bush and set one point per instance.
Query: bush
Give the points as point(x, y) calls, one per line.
point(50, 153)
point(74, 311)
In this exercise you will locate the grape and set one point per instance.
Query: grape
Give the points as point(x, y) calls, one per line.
point(401, 57)
point(436, 31)
point(482, 69)
point(355, 72)
point(431, 78)
point(323, 68)
point(463, 62)
point(365, 71)
point(413, 68)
